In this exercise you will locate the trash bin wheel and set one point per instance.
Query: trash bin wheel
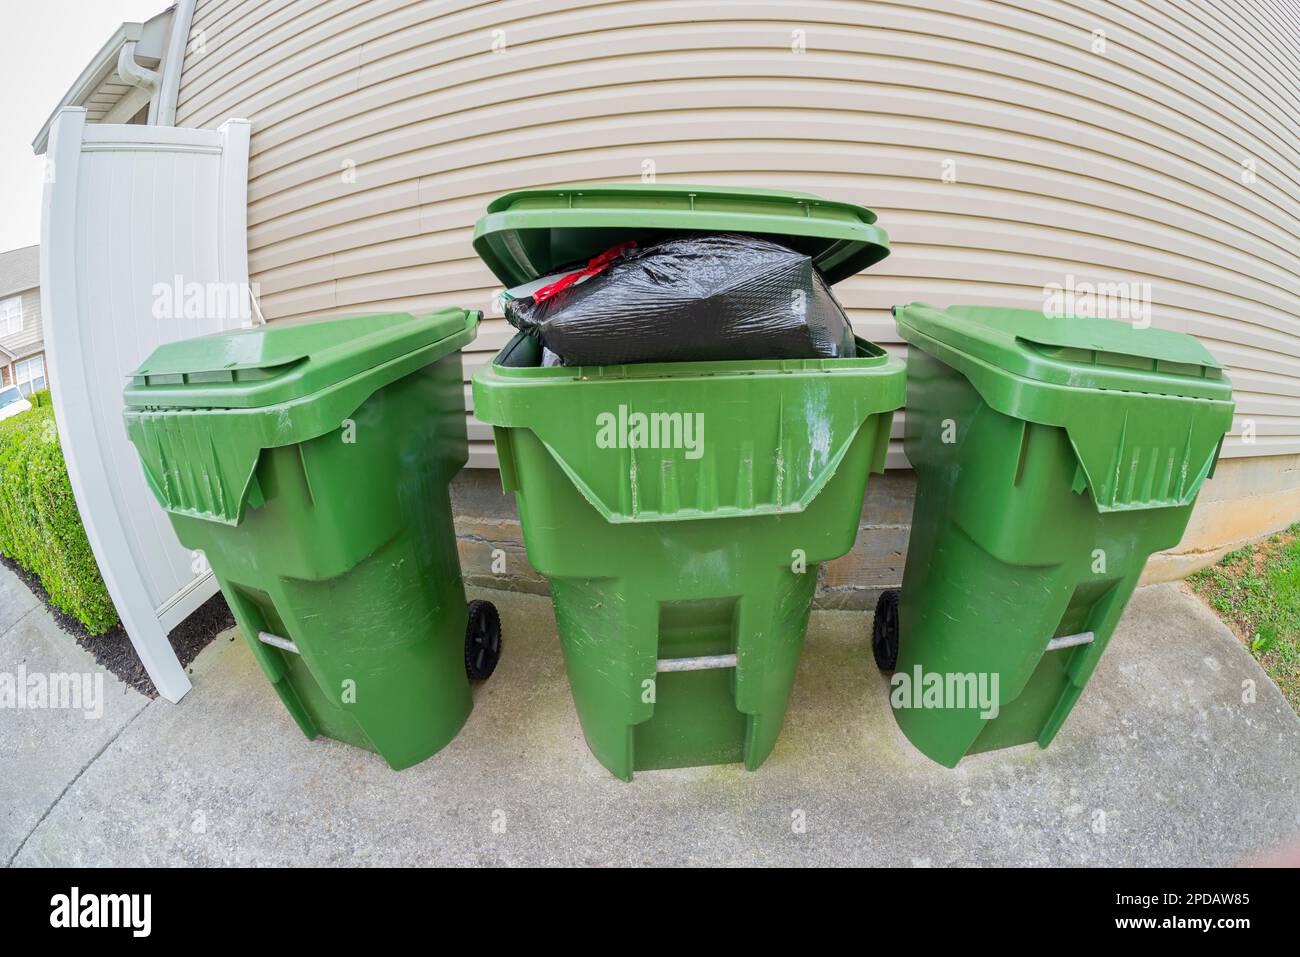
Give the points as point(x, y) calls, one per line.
point(884, 631)
point(482, 640)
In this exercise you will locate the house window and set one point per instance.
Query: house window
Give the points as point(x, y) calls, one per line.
point(11, 315)
point(30, 374)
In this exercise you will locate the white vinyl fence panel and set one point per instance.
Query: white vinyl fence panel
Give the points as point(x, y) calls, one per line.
point(131, 215)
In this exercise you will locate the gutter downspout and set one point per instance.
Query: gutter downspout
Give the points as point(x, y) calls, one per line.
point(164, 112)
point(132, 72)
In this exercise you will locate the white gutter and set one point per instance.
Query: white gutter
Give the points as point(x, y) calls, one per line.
point(160, 41)
point(132, 72)
point(173, 63)
point(96, 71)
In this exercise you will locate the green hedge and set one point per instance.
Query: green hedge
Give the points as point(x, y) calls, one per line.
point(40, 399)
point(40, 527)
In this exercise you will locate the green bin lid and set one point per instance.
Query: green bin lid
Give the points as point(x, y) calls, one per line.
point(267, 365)
point(1145, 409)
point(201, 411)
point(534, 232)
point(1074, 351)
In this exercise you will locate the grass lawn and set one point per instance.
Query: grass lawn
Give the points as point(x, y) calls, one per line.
point(1256, 590)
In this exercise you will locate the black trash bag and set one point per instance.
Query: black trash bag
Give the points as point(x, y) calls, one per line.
point(689, 298)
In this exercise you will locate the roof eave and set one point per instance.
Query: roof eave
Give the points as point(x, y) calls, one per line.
point(100, 67)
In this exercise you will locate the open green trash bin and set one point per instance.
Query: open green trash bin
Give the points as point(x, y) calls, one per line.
point(310, 464)
point(680, 510)
point(1053, 457)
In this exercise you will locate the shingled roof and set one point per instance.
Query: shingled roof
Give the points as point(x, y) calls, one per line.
point(20, 270)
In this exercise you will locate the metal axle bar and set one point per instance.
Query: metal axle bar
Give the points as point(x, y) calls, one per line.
point(1069, 641)
point(275, 641)
point(701, 663)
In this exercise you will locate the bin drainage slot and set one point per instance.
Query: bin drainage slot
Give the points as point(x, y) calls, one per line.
point(1069, 641)
point(702, 663)
point(275, 641)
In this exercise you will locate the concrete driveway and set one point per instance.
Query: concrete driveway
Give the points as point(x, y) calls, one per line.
point(1162, 763)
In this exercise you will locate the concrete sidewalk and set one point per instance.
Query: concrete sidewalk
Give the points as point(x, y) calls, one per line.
point(1161, 763)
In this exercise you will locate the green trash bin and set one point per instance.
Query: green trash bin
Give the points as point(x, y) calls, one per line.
point(310, 463)
point(682, 571)
point(1053, 456)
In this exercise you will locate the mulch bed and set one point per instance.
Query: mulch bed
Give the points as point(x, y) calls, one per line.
point(113, 650)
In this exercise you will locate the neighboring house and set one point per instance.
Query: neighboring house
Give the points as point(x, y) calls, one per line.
point(22, 338)
point(1005, 147)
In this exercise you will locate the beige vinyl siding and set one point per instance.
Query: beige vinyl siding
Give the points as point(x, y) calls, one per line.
point(31, 339)
point(1122, 166)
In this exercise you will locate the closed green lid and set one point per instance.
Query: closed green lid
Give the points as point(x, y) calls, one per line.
point(1072, 351)
point(534, 232)
point(1145, 409)
point(201, 411)
point(267, 365)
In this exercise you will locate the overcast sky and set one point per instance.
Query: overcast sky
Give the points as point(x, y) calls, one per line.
point(44, 46)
